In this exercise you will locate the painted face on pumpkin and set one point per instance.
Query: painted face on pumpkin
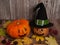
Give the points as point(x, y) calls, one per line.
point(23, 31)
point(41, 31)
point(18, 28)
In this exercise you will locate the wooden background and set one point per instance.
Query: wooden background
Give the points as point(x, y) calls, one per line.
point(17, 9)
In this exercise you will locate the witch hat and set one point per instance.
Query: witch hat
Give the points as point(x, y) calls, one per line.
point(41, 20)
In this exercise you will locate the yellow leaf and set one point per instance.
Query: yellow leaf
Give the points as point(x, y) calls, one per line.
point(41, 38)
point(37, 38)
point(34, 36)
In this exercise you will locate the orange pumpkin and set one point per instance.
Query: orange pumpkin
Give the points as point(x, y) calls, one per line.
point(26, 22)
point(41, 31)
point(18, 28)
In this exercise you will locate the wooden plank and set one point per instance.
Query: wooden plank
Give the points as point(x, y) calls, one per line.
point(20, 9)
point(26, 9)
point(32, 4)
point(13, 9)
point(4, 9)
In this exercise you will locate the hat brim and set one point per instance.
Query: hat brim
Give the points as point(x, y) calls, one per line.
point(32, 24)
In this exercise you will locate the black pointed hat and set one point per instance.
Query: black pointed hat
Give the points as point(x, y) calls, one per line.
point(41, 19)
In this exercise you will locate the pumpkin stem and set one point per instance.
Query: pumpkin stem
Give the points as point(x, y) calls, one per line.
point(18, 23)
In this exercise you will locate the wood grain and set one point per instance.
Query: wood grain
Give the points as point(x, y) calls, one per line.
point(16, 9)
point(4, 9)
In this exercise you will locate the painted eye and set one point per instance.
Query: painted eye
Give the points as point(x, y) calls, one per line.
point(41, 29)
point(18, 31)
point(25, 29)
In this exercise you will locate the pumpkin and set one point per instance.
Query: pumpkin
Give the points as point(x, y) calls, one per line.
point(41, 31)
point(25, 22)
point(18, 28)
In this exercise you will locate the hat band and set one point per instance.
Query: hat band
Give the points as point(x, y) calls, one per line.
point(42, 22)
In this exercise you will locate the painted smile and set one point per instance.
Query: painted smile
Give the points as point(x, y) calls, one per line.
point(22, 35)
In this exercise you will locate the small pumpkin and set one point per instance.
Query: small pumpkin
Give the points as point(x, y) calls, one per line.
point(41, 31)
point(18, 28)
